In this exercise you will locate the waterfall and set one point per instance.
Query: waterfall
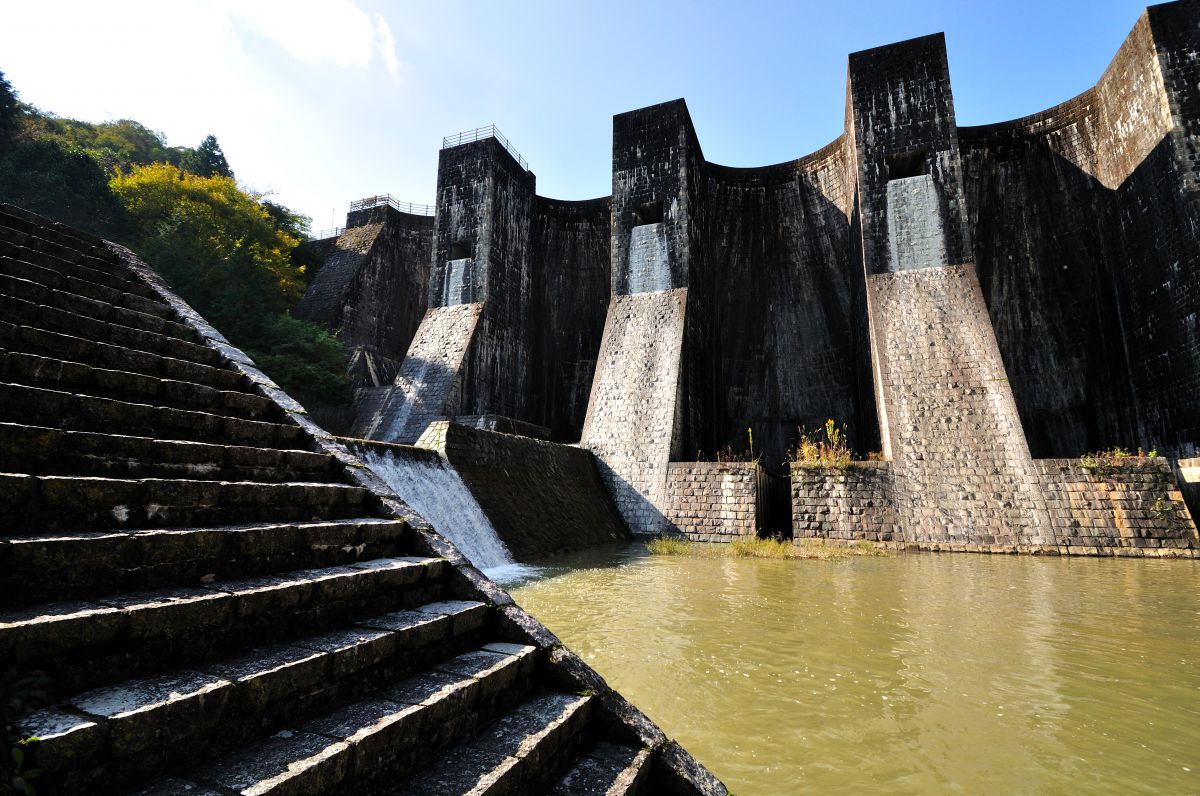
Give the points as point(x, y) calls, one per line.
point(428, 483)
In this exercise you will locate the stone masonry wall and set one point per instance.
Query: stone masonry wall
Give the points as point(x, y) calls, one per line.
point(631, 414)
point(962, 469)
point(371, 290)
point(427, 386)
point(846, 503)
point(713, 501)
point(540, 496)
point(1134, 505)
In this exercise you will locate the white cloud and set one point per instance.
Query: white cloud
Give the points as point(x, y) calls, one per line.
point(319, 32)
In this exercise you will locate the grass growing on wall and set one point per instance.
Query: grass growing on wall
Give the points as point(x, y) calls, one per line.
point(761, 548)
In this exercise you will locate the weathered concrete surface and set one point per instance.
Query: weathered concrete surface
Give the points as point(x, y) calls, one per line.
point(541, 497)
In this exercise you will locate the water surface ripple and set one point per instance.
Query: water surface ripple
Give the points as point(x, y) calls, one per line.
point(917, 673)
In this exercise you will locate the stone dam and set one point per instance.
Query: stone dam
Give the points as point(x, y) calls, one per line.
point(207, 588)
point(979, 307)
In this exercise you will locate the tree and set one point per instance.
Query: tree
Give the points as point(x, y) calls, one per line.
point(288, 221)
point(65, 184)
point(10, 109)
point(206, 160)
point(219, 247)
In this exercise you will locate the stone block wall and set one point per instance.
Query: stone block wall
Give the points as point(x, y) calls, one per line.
point(713, 501)
point(428, 385)
point(370, 291)
point(541, 497)
point(631, 415)
point(1135, 505)
point(961, 467)
point(855, 502)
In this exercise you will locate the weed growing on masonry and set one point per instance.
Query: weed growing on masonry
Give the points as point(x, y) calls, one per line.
point(812, 451)
point(1162, 508)
point(1101, 463)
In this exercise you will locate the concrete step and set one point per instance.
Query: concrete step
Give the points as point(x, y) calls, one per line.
point(515, 755)
point(66, 244)
point(137, 729)
point(81, 645)
point(40, 450)
point(606, 769)
point(26, 248)
point(57, 345)
point(22, 404)
point(38, 504)
point(76, 377)
point(42, 567)
point(25, 289)
point(51, 319)
point(75, 280)
point(361, 745)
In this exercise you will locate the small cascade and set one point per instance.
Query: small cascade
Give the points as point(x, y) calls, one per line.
point(428, 483)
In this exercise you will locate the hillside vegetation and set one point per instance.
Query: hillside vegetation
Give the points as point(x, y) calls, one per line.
point(226, 250)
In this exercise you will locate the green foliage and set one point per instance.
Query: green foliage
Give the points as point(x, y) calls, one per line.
point(307, 361)
point(220, 248)
point(10, 109)
point(288, 221)
point(65, 184)
point(1162, 508)
point(206, 160)
point(115, 146)
point(21, 768)
point(1101, 463)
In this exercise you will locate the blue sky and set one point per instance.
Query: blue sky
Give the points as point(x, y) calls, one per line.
point(324, 102)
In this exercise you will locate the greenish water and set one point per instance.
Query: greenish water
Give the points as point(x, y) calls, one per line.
point(917, 673)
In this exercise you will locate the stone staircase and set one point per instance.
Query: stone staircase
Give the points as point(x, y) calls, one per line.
point(215, 597)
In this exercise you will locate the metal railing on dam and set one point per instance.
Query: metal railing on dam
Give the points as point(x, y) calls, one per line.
point(479, 134)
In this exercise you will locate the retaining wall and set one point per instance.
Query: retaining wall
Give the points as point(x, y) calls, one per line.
point(850, 503)
point(541, 497)
point(713, 501)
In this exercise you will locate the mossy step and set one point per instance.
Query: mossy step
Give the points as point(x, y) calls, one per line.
point(50, 319)
point(516, 755)
point(85, 644)
point(136, 729)
point(81, 565)
point(20, 403)
point(606, 769)
point(24, 289)
point(41, 503)
point(40, 450)
point(77, 377)
point(75, 280)
point(59, 345)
